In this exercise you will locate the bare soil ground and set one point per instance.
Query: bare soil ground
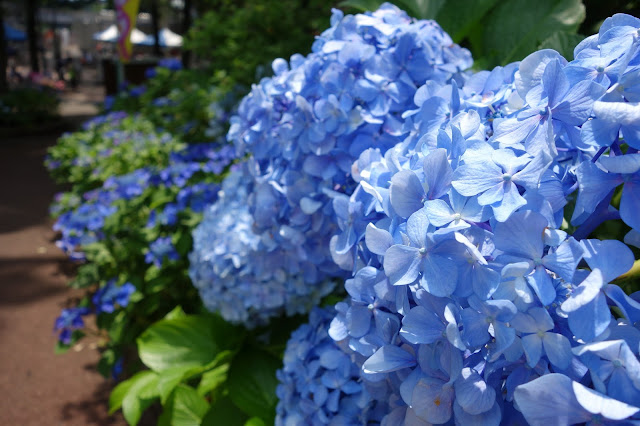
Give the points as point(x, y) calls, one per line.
point(38, 387)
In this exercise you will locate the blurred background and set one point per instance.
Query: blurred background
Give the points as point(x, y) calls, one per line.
point(59, 66)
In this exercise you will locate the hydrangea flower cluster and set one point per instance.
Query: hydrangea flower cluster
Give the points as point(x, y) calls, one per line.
point(319, 384)
point(83, 223)
point(303, 128)
point(473, 300)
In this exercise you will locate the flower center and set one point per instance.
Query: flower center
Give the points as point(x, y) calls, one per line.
point(506, 177)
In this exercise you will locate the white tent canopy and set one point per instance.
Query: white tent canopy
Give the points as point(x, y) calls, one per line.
point(167, 38)
point(111, 35)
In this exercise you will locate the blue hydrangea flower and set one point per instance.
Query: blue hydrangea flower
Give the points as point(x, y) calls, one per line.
point(473, 315)
point(106, 298)
point(68, 321)
point(303, 128)
point(319, 383)
point(161, 249)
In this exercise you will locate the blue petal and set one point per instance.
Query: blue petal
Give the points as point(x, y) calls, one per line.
point(554, 82)
point(377, 240)
point(590, 320)
point(558, 349)
point(612, 257)
point(358, 320)
point(485, 281)
point(529, 177)
point(532, 345)
point(402, 264)
point(597, 403)
point(594, 186)
point(421, 326)
point(510, 202)
point(521, 235)
point(406, 193)
point(439, 275)
point(491, 417)
point(549, 400)
point(629, 307)
point(576, 107)
point(418, 228)
point(565, 259)
point(438, 173)
point(585, 293)
point(472, 392)
point(431, 400)
point(472, 179)
point(439, 212)
point(630, 204)
point(388, 358)
point(542, 284)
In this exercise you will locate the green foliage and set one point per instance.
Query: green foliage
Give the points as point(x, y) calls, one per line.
point(252, 383)
point(203, 371)
point(28, 106)
point(183, 103)
point(184, 408)
point(87, 158)
point(244, 37)
point(177, 343)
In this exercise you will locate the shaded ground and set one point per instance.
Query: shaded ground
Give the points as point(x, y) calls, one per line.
point(38, 387)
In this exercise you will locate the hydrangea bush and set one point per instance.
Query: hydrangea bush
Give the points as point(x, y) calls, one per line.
point(479, 294)
point(302, 129)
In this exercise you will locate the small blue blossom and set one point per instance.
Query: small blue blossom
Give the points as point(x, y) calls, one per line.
point(68, 321)
point(106, 298)
point(159, 250)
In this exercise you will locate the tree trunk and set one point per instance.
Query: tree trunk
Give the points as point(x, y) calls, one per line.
point(155, 23)
point(186, 24)
point(4, 87)
point(31, 9)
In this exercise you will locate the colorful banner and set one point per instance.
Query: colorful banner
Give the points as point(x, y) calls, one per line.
point(126, 14)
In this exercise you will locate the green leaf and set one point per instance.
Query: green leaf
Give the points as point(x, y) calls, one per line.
point(252, 382)
point(224, 413)
point(184, 408)
point(212, 379)
point(254, 421)
point(134, 395)
point(362, 5)
point(421, 9)
point(457, 17)
point(563, 42)
point(515, 28)
point(178, 342)
point(175, 313)
point(61, 348)
point(170, 378)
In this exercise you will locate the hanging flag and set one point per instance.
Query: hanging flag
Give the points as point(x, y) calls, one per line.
point(126, 14)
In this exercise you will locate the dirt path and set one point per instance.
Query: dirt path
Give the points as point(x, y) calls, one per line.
point(38, 387)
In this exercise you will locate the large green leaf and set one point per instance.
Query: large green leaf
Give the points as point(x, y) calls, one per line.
point(184, 408)
point(563, 42)
point(178, 342)
point(134, 395)
point(224, 413)
point(457, 17)
point(362, 5)
point(252, 383)
point(421, 9)
point(516, 28)
point(212, 379)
